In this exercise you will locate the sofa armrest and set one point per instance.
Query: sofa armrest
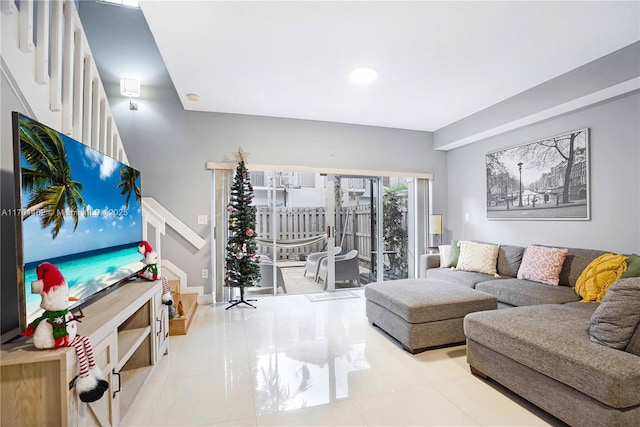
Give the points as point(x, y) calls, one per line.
point(428, 261)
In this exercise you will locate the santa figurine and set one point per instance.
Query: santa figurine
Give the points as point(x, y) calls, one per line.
point(150, 270)
point(57, 327)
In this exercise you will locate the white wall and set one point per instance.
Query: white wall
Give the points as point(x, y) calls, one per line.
point(615, 179)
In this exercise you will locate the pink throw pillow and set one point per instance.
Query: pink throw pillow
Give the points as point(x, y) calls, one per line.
point(542, 264)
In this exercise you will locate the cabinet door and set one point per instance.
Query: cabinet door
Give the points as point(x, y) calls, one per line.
point(21, 383)
point(161, 331)
point(100, 412)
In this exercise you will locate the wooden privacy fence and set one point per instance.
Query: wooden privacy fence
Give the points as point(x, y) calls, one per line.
point(290, 224)
point(353, 230)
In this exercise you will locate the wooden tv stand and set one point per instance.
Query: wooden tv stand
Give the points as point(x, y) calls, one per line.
point(128, 328)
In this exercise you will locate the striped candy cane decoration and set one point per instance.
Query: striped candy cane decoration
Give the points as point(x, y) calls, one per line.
point(165, 286)
point(90, 385)
point(167, 298)
point(84, 351)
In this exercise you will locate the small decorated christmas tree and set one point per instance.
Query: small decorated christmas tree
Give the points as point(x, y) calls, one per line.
point(242, 268)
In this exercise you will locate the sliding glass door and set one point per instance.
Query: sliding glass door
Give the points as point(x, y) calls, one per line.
point(374, 216)
point(325, 232)
point(291, 213)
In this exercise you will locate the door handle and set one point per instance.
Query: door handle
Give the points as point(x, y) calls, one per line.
point(119, 382)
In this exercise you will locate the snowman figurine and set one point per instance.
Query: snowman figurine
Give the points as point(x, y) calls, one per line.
point(150, 270)
point(57, 327)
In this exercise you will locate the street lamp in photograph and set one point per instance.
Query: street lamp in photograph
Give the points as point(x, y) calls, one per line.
point(520, 169)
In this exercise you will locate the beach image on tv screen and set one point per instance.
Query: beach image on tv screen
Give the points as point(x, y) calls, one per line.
point(81, 210)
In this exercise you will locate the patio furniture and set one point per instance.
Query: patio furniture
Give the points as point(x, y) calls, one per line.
point(347, 268)
point(266, 276)
point(313, 262)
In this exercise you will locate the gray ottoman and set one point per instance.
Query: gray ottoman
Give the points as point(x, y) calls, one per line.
point(422, 313)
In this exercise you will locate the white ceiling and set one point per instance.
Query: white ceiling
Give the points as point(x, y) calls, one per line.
point(437, 62)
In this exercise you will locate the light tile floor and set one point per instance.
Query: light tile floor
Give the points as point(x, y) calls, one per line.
point(292, 362)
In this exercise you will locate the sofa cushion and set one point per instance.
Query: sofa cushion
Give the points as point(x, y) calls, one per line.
point(478, 257)
point(457, 277)
point(633, 266)
point(520, 292)
point(455, 253)
point(575, 262)
point(445, 255)
point(616, 319)
point(542, 264)
point(554, 340)
point(509, 259)
point(599, 275)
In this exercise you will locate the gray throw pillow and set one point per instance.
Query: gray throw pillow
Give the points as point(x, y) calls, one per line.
point(616, 319)
point(509, 260)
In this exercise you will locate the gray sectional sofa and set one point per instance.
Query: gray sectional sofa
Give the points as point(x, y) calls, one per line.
point(544, 353)
point(541, 346)
point(509, 291)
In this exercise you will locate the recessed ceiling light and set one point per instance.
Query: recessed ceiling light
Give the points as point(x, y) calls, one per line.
point(363, 75)
point(193, 97)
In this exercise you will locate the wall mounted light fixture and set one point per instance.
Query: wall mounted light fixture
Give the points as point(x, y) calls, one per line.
point(130, 88)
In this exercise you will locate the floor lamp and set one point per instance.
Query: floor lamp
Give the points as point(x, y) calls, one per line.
point(435, 226)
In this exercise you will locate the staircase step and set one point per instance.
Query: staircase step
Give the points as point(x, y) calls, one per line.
point(174, 281)
point(181, 325)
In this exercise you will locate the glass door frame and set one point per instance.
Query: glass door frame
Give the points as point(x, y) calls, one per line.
point(331, 231)
point(219, 199)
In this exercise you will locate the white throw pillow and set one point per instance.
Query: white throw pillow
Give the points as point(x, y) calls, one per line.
point(445, 255)
point(478, 257)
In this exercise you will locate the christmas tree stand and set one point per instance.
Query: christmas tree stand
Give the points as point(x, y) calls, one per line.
point(235, 302)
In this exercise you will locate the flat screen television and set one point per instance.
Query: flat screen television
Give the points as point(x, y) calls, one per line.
point(76, 208)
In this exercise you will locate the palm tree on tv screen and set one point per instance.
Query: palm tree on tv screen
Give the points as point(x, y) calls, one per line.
point(128, 184)
point(54, 195)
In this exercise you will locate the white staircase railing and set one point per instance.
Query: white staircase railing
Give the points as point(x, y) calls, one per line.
point(154, 213)
point(55, 76)
point(182, 278)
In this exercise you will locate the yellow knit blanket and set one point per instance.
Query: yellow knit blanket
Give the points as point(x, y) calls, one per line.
point(601, 273)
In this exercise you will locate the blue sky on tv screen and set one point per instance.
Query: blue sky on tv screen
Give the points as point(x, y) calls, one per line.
point(107, 222)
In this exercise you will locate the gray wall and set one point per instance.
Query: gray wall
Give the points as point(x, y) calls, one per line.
point(171, 146)
point(615, 178)
point(617, 67)
point(614, 150)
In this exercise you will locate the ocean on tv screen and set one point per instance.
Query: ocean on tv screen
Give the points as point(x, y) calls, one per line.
point(87, 273)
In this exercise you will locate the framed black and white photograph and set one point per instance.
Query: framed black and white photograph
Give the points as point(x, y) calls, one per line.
point(542, 180)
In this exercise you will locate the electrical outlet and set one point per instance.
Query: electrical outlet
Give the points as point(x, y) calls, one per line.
point(203, 219)
point(205, 273)
point(466, 217)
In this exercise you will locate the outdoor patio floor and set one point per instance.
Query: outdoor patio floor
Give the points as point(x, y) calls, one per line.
point(297, 283)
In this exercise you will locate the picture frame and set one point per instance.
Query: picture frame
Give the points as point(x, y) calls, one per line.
point(547, 179)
